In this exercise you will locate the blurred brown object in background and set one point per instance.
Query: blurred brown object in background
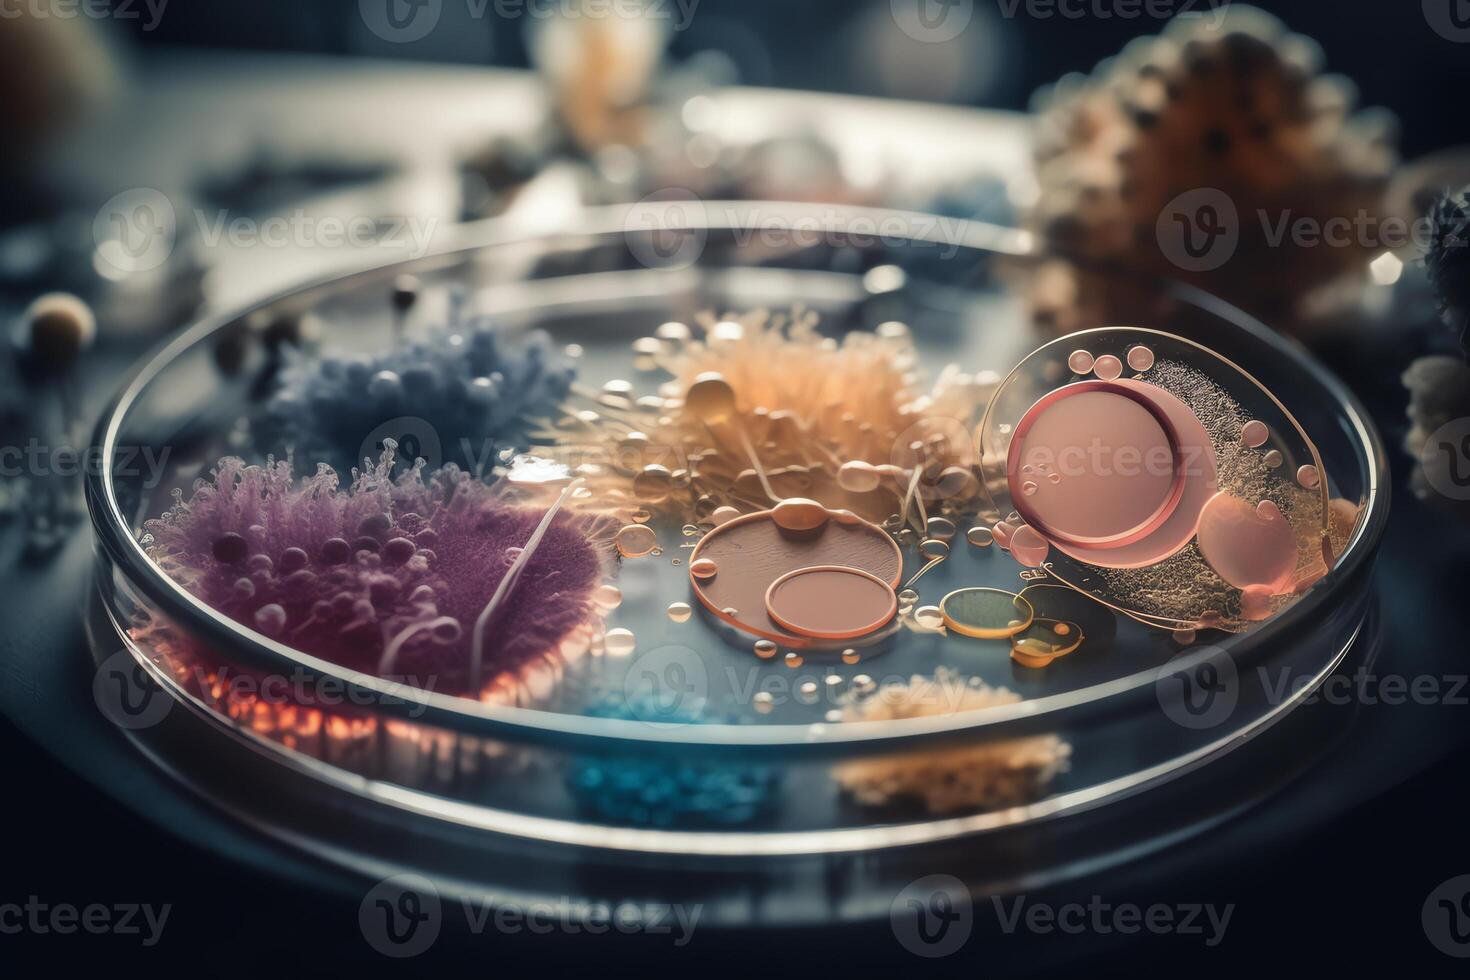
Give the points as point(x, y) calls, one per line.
point(52, 70)
point(1194, 156)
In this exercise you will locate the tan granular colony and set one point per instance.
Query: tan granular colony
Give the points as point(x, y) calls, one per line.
point(989, 776)
point(1183, 587)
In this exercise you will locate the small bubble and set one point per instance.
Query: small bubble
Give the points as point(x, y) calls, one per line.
point(1273, 459)
point(1028, 488)
point(908, 597)
point(1140, 358)
point(680, 612)
point(607, 597)
point(833, 716)
point(850, 656)
point(929, 617)
point(764, 702)
point(808, 690)
point(640, 516)
point(704, 568)
point(1080, 362)
point(1254, 434)
point(1054, 478)
point(619, 642)
point(1108, 368)
point(940, 527)
point(793, 660)
point(635, 541)
point(765, 649)
point(1308, 477)
point(980, 537)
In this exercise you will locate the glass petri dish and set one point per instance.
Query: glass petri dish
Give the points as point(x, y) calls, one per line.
point(679, 735)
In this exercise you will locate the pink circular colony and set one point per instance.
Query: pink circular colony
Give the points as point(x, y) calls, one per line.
point(1108, 368)
point(1249, 547)
point(1028, 546)
point(1116, 458)
point(1192, 465)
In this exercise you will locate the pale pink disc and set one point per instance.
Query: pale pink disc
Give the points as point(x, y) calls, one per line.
point(1108, 368)
point(1140, 358)
point(1196, 461)
point(1254, 434)
point(1080, 362)
point(1247, 546)
point(1115, 454)
point(1028, 546)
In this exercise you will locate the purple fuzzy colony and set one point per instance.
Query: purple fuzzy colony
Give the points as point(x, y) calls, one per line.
point(478, 394)
point(387, 577)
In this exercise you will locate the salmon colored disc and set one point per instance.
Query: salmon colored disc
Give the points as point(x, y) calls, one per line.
point(1095, 464)
point(831, 602)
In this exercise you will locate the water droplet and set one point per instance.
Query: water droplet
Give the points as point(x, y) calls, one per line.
point(619, 642)
point(933, 549)
point(1254, 434)
point(850, 656)
point(721, 515)
point(1108, 368)
point(1273, 459)
point(607, 597)
point(680, 612)
point(1140, 358)
point(1028, 488)
point(635, 540)
point(1054, 478)
point(808, 690)
point(793, 660)
point(908, 597)
point(1308, 477)
point(704, 568)
point(765, 649)
point(1080, 362)
point(763, 702)
point(980, 537)
point(929, 617)
point(833, 716)
point(799, 514)
point(940, 527)
point(710, 398)
point(641, 516)
point(1184, 637)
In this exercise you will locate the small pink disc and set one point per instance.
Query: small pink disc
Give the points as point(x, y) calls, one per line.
point(831, 602)
point(1108, 368)
point(1028, 547)
point(1247, 546)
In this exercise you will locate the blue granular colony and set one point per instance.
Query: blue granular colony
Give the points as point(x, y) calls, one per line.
point(662, 792)
point(456, 394)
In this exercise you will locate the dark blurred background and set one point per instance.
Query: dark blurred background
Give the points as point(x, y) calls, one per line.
point(1386, 46)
